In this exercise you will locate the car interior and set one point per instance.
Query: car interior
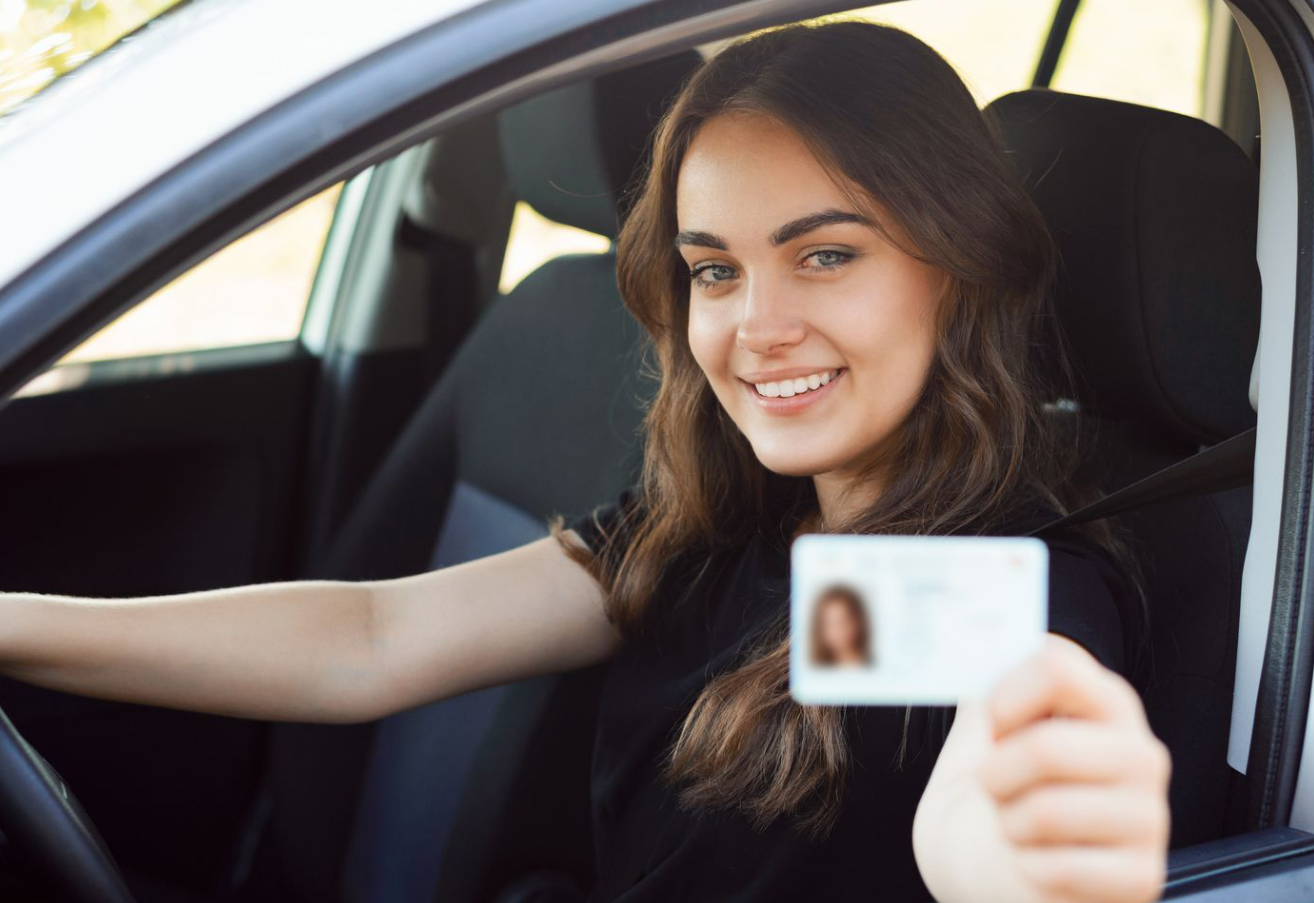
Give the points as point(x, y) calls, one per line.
point(445, 420)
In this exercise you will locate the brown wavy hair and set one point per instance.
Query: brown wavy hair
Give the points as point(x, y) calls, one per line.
point(895, 123)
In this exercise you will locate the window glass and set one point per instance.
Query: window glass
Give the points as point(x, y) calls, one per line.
point(534, 240)
point(254, 290)
point(40, 40)
point(1146, 53)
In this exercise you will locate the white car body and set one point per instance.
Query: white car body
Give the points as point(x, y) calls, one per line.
point(103, 133)
point(127, 119)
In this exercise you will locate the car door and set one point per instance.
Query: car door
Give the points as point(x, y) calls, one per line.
point(164, 455)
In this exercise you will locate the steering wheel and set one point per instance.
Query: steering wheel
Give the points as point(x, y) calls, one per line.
point(48, 829)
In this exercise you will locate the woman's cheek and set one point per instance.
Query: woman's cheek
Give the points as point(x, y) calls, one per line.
point(886, 326)
point(888, 374)
point(711, 334)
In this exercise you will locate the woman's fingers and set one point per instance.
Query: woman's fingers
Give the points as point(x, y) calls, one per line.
point(1070, 750)
point(1083, 814)
point(1090, 874)
point(1079, 779)
point(1061, 680)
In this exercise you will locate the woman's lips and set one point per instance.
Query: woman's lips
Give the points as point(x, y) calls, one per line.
point(797, 402)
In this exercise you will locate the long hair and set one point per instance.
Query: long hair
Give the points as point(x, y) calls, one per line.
point(887, 115)
point(847, 597)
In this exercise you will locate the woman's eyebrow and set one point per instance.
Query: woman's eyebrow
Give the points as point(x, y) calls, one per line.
point(701, 239)
point(788, 232)
point(805, 224)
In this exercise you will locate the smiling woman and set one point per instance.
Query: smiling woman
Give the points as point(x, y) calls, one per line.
point(844, 285)
point(845, 346)
point(799, 286)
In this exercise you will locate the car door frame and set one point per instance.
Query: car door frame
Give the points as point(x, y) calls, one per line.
point(1283, 701)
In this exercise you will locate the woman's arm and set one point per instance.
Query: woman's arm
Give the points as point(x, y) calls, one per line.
point(317, 650)
point(1054, 789)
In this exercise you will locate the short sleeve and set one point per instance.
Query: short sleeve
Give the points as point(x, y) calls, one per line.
point(606, 529)
point(1086, 595)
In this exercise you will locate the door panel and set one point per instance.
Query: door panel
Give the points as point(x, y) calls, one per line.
point(164, 484)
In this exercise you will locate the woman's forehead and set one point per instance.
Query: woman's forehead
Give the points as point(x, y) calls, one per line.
point(751, 173)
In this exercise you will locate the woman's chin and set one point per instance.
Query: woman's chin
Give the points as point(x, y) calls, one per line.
point(794, 463)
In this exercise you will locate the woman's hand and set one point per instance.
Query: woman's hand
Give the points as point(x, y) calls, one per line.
point(1079, 780)
point(1052, 791)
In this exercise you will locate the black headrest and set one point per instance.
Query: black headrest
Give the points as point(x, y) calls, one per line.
point(1158, 293)
point(570, 152)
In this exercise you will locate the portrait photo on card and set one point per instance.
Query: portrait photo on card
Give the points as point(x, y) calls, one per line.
point(843, 628)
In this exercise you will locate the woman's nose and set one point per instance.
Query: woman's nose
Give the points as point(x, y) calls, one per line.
point(767, 323)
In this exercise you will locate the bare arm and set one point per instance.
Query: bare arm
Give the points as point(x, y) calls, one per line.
point(317, 650)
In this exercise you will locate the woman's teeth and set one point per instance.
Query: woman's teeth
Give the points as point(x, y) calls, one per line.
point(788, 388)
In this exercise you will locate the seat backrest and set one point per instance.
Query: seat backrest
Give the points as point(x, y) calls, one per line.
point(1158, 297)
point(538, 414)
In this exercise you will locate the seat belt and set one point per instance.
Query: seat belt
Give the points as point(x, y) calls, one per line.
point(1227, 465)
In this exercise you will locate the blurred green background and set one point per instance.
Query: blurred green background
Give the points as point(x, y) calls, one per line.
point(40, 40)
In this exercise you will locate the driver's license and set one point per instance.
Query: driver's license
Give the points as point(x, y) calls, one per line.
point(912, 620)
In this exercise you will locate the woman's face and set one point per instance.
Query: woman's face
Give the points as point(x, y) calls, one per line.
point(815, 333)
point(839, 630)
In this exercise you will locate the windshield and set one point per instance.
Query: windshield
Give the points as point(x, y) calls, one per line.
point(42, 40)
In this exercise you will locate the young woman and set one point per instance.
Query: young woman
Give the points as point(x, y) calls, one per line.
point(842, 281)
point(841, 629)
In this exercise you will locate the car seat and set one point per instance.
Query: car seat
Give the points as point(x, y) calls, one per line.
point(1155, 217)
point(537, 415)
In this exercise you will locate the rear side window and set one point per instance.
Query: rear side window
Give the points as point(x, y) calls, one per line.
point(535, 239)
point(1151, 53)
point(1146, 53)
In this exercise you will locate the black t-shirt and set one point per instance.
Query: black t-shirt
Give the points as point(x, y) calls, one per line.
point(649, 849)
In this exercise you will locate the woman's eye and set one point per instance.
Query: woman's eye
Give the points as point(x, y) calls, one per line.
point(708, 275)
point(826, 259)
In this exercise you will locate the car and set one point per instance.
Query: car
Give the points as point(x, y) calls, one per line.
point(429, 409)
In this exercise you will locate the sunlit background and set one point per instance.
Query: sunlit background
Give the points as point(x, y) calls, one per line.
point(256, 289)
point(40, 40)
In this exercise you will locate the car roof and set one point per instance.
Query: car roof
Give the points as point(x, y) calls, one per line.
point(91, 140)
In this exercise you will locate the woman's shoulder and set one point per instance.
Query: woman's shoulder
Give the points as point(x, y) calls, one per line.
point(610, 522)
point(1091, 596)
